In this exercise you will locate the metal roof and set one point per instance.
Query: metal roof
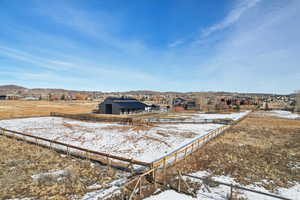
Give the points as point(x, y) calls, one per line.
point(127, 102)
point(131, 105)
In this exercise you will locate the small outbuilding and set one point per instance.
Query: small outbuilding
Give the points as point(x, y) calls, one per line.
point(121, 105)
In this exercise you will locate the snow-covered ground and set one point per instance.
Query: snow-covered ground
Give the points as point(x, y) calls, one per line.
point(221, 192)
point(112, 188)
point(233, 116)
point(112, 138)
point(198, 117)
point(170, 195)
point(284, 114)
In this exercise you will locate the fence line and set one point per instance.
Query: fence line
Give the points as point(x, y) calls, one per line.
point(189, 148)
point(208, 180)
point(194, 121)
point(184, 151)
point(92, 117)
point(194, 145)
point(86, 153)
point(137, 189)
point(171, 158)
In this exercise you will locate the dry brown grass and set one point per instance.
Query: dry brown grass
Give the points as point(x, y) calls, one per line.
point(14, 109)
point(19, 161)
point(254, 150)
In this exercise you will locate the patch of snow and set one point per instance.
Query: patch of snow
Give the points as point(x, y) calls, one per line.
point(233, 116)
point(221, 192)
point(100, 194)
point(55, 174)
point(199, 117)
point(284, 114)
point(27, 198)
point(170, 195)
point(94, 187)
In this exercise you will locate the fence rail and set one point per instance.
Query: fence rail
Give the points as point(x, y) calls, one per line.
point(191, 121)
point(92, 117)
point(184, 151)
point(171, 158)
point(77, 151)
point(208, 180)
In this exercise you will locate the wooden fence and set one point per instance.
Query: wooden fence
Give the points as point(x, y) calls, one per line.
point(184, 151)
point(137, 181)
point(92, 117)
point(207, 181)
point(113, 160)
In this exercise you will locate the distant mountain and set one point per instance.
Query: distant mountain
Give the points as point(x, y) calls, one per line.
point(15, 89)
point(12, 87)
point(8, 89)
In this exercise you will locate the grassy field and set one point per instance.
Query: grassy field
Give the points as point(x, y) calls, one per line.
point(256, 149)
point(21, 164)
point(14, 109)
point(19, 161)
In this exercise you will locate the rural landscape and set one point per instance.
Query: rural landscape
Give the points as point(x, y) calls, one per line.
point(179, 145)
point(149, 100)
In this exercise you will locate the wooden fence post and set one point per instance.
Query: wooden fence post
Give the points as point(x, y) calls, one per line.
point(132, 194)
point(154, 178)
point(68, 152)
point(179, 181)
point(192, 147)
point(165, 171)
point(140, 187)
point(230, 197)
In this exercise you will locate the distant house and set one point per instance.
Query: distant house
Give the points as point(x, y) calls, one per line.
point(30, 98)
point(13, 97)
point(3, 97)
point(180, 104)
point(123, 105)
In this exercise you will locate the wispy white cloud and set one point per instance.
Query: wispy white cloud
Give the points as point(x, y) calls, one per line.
point(176, 43)
point(260, 54)
point(233, 16)
point(101, 27)
point(36, 60)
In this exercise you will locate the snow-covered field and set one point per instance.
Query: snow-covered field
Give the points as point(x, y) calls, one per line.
point(233, 116)
point(198, 117)
point(284, 114)
point(112, 138)
point(221, 192)
point(146, 145)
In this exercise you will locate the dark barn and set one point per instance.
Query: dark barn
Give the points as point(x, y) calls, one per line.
point(3, 97)
point(123, 105)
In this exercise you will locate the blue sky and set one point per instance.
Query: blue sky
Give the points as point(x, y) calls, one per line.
point(165, 45)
